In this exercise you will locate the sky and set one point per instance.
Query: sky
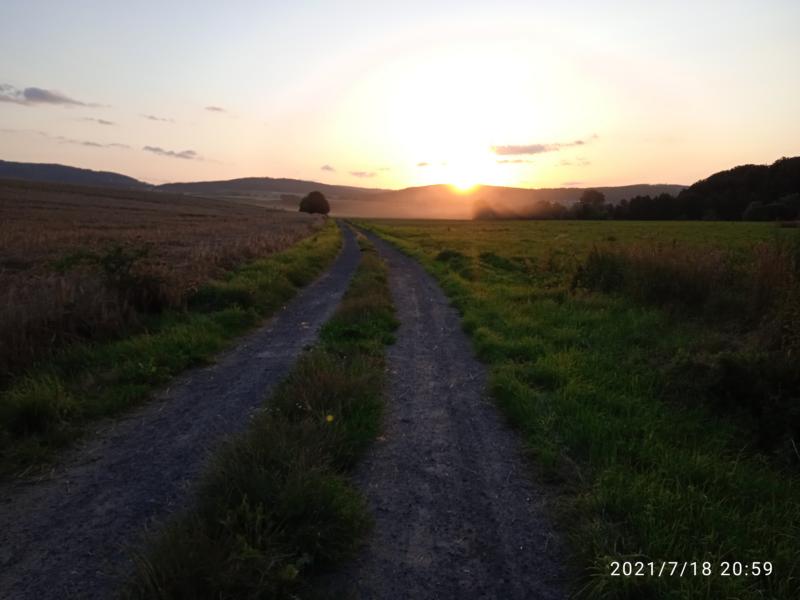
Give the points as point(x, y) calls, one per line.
point(396, 94)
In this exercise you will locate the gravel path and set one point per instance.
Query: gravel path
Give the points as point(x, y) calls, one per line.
point(67, 536)
point(456, 513)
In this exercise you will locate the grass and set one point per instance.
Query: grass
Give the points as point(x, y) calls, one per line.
point(275, 507)
point(51, 404)
point(650, 470)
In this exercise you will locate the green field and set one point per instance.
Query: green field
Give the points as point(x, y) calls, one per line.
point(650, 369)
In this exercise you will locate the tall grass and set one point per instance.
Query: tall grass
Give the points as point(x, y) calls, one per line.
point(275, 506)
point(51, 404)
point(753, 295)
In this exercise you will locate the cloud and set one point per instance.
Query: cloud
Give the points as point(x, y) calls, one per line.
point(571, 183)
point(89, 144)
point(512, 150)
point(423, 164)
point(579, 162)
point(513, 161)
point(185, 154)
point(385, 169)
point(34, 96)
point(67, 140)
point(98, 121)
point(362, 174)
point(328, 168)
point(217, 109)
point(155, 118)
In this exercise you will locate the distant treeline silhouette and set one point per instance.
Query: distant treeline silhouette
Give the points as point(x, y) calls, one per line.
point(748, 192)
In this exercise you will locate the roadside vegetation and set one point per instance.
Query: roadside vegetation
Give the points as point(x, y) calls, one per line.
point(275, 506)
point(48, 404)
point(650, 369)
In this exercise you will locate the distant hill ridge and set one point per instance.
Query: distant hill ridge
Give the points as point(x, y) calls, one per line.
point(53, 173)
point(724, 195)
point(268, 185)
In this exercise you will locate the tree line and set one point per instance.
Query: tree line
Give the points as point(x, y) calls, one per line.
point(748, 192)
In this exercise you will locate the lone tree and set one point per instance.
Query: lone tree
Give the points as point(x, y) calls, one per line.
point(315, 202)
point(591, 205)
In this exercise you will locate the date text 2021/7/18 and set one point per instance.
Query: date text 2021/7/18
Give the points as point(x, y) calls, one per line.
point(677, 568)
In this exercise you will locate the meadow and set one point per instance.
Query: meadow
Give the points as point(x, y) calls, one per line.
point(106, 294)
point(650, 370)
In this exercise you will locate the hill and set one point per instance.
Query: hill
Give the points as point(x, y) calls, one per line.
point(431, 202)
point(728, 194)
point(53, 173)
point(265, 185)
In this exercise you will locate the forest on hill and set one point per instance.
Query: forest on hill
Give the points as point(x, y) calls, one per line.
point(747, 192)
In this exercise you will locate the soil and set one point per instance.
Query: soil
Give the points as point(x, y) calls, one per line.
point(457, 511)
point(69, 534)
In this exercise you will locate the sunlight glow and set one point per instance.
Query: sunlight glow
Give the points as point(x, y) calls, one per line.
point(463, 186)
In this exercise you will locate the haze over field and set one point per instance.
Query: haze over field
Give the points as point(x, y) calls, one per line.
point(380, 95)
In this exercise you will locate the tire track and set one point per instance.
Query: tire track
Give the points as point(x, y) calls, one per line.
point(456, 513)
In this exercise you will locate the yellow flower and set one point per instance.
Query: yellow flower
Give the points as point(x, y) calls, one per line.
point(329, 419)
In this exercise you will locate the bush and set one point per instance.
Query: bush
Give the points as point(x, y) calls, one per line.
point(315, 202)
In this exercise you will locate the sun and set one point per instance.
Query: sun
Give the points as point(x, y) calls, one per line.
point(463, 186)
point(463, 180)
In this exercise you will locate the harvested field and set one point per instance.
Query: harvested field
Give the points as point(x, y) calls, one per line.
point(85, 263)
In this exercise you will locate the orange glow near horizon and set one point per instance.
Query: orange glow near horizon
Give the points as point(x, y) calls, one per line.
point(463, 187)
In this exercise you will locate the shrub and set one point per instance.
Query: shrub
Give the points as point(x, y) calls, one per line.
point(315, 202)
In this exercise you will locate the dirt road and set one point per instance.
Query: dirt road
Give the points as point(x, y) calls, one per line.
point(67, 536)
point(456, 513)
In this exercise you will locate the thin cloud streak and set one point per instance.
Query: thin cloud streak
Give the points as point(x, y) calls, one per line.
point(515, 150)
point(155, 118)
point(217, 109)
point(67, 140)
point(328, 168)
point(579, 162)
point(362, 174)
point(185, 154)
point(98, 121)
point(34, 96)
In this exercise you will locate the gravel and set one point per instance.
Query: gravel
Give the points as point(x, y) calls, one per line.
point(457, 513)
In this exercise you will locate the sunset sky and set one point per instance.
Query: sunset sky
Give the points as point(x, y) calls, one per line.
point(394, 94)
